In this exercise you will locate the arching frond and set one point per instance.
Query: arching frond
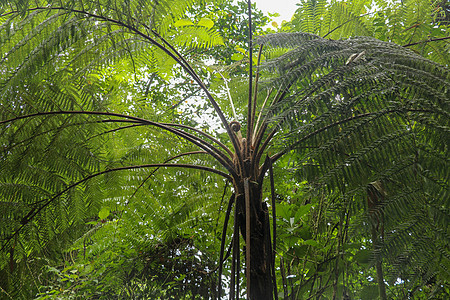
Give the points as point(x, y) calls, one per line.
point(360, 110)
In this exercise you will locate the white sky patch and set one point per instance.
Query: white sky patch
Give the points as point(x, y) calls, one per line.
point(286, 8)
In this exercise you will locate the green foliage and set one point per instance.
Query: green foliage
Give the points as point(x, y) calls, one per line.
point(357, 111)
point(418, 24)
point(108, 169)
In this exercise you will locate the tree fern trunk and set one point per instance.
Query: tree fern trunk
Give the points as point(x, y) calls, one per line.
point(260, 286)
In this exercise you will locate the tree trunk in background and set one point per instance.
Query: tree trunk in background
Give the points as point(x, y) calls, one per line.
point(375, 196)
point(378, 266)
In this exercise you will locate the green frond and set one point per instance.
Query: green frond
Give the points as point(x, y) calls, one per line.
point(69, 39)
point(416, 23)
point(197, 37)
point(336, 19)
point(284, 39)
point(359, 110)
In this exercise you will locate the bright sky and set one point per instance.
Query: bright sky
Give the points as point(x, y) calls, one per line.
point(285, 8)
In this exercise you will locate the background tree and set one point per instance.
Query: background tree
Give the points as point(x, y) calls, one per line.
point(358, 117)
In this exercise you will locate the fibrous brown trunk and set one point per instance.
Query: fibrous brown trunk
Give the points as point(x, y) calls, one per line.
point(260, 272)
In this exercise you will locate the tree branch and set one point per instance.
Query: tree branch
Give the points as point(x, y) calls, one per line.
point(223, 146)
point(427, 41)
point(250, 77)
point(222, 243)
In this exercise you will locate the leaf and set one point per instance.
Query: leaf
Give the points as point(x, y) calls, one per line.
point(362, 256)
point(206, 22)
point(103, 213)
point(242, 50)
point(311, 243)
point(283, 210)
point(183, 22)
point(299, 251)
point(303, 210)
point(369, 292)
point(237, 56)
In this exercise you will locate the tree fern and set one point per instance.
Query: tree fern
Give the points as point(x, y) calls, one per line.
point(356, 112)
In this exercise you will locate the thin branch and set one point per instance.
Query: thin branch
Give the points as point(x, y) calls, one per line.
point(182, 100)
point(225, 188)
point(427, 41)
point(274, 225)
point(217, 267)
point(357, 17)
point(260, 152)
point(256, 132)
point(255, 96)
point(259, 137)
point(222, 145)
point(221, 157)
point(247, 234)
point(257, 154)
point(234, 282)
point(5, 292)
point(15, 144)
point(229, 95)
point(178, 54)
point(35, 210)
point(225, 123)
point(114, 130)
point(191, 71)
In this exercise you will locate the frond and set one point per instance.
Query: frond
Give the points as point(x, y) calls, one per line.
point(359, 110)
point(416, 23)
point(197, 37)
point(335, 19)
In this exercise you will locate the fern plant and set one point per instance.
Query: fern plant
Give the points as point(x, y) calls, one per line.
point(369, 120)
point(355, 111)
